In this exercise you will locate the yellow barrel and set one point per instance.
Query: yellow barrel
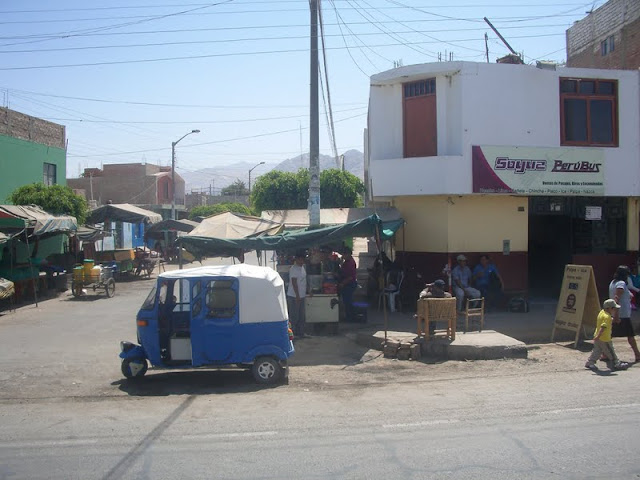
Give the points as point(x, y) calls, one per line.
point(78, 273)
point(95, 273)
point(88, 265)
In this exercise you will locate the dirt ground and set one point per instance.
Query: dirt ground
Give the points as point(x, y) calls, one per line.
point(335, 361)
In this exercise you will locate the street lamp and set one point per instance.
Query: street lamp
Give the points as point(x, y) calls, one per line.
point(251, 170)
point(173, 173)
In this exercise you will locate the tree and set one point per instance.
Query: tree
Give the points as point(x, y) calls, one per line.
point(340, 189)
point(208, 210)
point(284, 190)
point(276, 190)
point(236, 188)
point(55, 199)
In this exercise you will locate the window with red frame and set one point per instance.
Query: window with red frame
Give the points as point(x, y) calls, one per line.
point(588, 112)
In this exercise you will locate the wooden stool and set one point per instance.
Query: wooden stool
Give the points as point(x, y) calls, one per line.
point(432, 310)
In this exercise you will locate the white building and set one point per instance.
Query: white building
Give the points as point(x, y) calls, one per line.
point(537, 167)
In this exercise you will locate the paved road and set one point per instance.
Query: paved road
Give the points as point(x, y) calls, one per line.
point(67, 413)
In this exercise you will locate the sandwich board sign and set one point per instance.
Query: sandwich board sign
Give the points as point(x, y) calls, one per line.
point(579, 304)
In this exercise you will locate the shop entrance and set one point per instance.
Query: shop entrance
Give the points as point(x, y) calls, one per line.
point(562, 227)
point(549, 252)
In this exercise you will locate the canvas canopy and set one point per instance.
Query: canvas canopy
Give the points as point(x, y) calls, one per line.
point(229, 225)
point(123, 212)
point(299, 218)
point(32, 217)
point(3, 238)
point(87, 233)
point(310, 237)
point(157, 230)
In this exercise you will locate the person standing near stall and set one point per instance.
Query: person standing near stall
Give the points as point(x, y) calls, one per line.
point(348, 283)
point(296, 294)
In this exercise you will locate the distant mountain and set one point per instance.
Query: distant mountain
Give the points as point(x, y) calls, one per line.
point(353, 163)
point(217, 178)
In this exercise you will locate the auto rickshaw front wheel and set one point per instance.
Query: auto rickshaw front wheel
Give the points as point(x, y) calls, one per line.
point(134, 367)
point(267, 370)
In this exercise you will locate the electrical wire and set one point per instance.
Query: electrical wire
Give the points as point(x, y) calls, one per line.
point(327, 102)
point(344, 40)
point(500, 20)
point(78, 33)
point(128, 102)
point(263, 39)
point(187, 122)
point(261, 135)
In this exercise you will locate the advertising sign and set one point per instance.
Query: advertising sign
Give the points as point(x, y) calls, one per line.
point(579, 304)
point(538, 171)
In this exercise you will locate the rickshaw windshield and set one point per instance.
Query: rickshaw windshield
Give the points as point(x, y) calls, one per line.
point(150, 301)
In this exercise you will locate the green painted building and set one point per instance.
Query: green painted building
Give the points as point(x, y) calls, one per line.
point(31, 150)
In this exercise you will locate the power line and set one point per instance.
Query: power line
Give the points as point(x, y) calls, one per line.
point(78, 33)
point(102, 100)
point(192, 145)
point(280, 27)
point(219, 55)
point(262, 39)
point(327, 102)
point(344, 40)
point(183, 5)
point(194, 122)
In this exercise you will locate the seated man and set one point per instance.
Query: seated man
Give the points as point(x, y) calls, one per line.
point(487, 279)
point(435, 290)
point(461, 277)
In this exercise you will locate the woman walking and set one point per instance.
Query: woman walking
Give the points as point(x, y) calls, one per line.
point(619, 291)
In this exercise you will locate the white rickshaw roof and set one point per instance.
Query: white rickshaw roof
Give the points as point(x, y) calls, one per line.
point(261, 289)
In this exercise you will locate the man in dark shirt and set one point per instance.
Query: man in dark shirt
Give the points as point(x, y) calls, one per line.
point(348, 283)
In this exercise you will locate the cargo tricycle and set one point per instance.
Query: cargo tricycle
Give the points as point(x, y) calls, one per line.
point(96, 277)
point(234, 315)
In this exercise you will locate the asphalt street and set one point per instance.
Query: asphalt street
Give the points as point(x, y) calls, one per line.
point(67, 413)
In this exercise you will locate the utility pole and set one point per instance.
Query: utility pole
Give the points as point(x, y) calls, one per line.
point(173, 173)
point(314, 128)
point(502, 38)
point(486, 45)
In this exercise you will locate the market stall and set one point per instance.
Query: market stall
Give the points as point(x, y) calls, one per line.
point(32, 238)
point(125, 260)
point(286, 243)
point(161, 236)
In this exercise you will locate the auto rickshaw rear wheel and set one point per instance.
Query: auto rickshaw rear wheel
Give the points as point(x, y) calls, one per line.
point(134, 367)
point(267, 370)
point(110, 287)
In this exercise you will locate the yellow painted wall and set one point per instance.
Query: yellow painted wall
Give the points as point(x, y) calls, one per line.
point(463, 223)
point(633, 224)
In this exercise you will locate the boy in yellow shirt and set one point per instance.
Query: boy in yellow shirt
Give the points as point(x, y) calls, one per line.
point(602, 344)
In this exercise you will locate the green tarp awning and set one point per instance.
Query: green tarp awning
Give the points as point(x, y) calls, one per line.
point(310, 237)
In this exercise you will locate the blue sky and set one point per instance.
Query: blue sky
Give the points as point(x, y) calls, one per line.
point(128, 78)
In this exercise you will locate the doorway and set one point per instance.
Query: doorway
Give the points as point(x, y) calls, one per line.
point(549, 252)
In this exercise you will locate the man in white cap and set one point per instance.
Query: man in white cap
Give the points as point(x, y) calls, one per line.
point(461, 278)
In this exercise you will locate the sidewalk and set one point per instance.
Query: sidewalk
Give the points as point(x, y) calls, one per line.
point(505, 334)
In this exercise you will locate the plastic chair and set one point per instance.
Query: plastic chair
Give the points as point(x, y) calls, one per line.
point(391, 292)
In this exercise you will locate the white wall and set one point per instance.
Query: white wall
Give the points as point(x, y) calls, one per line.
point(489, 104)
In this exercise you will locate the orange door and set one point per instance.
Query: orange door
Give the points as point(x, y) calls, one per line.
point(420, 130)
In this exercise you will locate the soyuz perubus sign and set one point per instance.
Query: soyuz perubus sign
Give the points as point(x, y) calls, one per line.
point(538, 171)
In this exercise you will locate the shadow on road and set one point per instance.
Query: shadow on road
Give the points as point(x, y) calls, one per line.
point(197, 382)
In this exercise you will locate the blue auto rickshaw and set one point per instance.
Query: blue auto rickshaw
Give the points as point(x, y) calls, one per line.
point(213, 316)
